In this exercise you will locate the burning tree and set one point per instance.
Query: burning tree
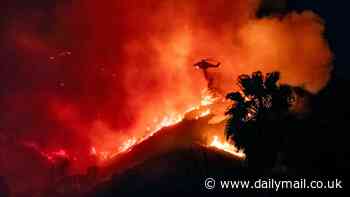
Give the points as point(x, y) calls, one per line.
point(258, 110)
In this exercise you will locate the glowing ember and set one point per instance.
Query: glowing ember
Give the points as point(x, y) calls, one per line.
point(204, 113)
point(127, 145)
point(104, 155)
point(50, 156)
point(169, 120)
point(56, 155)
point(93, 151)
point(227, 147)
point(207, 100)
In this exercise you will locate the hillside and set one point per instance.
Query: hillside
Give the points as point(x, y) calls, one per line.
point(180, 171)
point(175, 159)
point(184, 135)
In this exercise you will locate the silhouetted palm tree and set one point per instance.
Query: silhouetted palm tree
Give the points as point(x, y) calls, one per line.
point(260, 102)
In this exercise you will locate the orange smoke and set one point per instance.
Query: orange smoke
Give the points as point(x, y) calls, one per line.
point(293, 45)
point(129, 69)
point(149, 48)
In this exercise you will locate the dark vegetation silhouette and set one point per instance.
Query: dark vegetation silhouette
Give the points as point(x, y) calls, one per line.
point(258, 106)
point(310, 140)
point(4, 187)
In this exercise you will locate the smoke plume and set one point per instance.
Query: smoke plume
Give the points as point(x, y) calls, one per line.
point(84, 74)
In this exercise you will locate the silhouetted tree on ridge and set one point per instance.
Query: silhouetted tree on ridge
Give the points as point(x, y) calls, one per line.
point(253, 117)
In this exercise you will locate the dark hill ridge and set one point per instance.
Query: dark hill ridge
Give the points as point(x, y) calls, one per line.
point(182, 135)
point(173, 159)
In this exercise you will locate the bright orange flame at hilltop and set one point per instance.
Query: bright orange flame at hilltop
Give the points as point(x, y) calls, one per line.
point(173, 119)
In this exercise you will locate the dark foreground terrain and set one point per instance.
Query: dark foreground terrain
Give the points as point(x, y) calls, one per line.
point(176, 160)
point(316, 147)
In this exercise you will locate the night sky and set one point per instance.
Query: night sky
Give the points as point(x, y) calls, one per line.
point(336, 18)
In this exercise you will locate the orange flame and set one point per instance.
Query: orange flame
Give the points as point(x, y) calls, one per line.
point(166, 121)
point(127, 145)
point(227, 147)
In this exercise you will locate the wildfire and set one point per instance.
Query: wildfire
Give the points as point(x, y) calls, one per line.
point(203, 109)
point(204, 113)
point(227, 147)
point(167, 121)
point(207, 100)
point(51, 156)
point(127, 145)
point(172, 120)
point(93, 151)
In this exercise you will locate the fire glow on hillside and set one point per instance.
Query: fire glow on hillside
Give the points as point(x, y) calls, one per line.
point(105, 155)
point(169, 121)
point(91, 81)
point(227, 147)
